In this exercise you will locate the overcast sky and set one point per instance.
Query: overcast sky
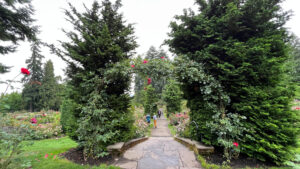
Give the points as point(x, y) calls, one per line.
point(151, 19)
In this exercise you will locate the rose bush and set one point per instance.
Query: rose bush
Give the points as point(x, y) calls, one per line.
point(40, 125)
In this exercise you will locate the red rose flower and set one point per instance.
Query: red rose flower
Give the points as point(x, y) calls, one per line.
point(145, 61)
point(149, 81)
point(33, 121)
point(25, 71)
point(162, 57)
point(46, 155)
point(236, 144)
point(132, 66)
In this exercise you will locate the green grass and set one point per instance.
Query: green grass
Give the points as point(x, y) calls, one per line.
point(36, 154)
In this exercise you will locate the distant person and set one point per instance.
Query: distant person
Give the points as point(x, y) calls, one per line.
point(155, 120)
point(148, 118)
point(159, 113)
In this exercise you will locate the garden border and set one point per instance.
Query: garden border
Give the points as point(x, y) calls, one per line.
point(119, 148)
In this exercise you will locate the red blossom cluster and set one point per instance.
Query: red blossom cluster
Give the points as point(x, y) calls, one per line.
point(236, 144)
point(33, 120)
point(149, 81)
point(181, 115)
point(25, 71)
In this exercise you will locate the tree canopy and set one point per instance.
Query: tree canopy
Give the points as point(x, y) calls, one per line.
point(234, 53)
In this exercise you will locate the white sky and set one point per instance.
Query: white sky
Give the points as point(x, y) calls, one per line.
point(151, 19)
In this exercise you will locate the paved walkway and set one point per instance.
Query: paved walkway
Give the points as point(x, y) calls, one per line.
point(160, 151)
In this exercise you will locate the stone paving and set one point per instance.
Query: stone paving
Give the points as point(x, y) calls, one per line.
point(160, 151)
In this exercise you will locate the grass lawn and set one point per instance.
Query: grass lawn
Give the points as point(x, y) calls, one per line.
point(37, 151)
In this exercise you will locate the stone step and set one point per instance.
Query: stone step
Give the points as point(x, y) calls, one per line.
point(196, 146)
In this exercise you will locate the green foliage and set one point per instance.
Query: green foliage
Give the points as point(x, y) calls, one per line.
point(204, 95)
point(32, 87)
point(11, 102)
point(294, 62)
point(172, 95)
point(68, 121)
point(229, 129)
point(206, 165)
point(106, 120)
point(157, 68)
point(16, 25)
point(150, 100)
point(50, 89)
point(99, 77)
point(10, 145)
point(234, 58)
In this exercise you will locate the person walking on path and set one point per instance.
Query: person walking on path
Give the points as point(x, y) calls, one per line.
point(155, 121)
point(148, 118)
point(159, 113)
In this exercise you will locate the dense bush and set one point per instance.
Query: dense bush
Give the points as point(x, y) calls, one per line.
point(232, 60)
point(13, 102)
point(11, 145)
point(68, 121)
point(150, 100)
point(172, 95)
point(99, 74)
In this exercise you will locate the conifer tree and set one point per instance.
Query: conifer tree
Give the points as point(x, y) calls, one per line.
point(172, 95)
point(99, 76)
point(15, 25)
point(50, 98)
point(242, 45)
point(32, 87)
point(150, 100)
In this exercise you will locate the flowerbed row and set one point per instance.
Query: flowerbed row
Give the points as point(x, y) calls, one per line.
point(40, 125)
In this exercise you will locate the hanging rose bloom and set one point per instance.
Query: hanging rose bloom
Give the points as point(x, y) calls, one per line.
point(149, 81)
point(145, 61)
point(162, 57)
point(33, 121)
point(132, 66)
point(236, 144)
point(25, 71)
point(46, 155)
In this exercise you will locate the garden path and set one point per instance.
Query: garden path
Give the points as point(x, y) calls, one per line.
point(160, 151)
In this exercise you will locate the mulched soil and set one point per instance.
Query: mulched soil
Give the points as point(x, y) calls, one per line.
point(242, 162)
point(76, 156)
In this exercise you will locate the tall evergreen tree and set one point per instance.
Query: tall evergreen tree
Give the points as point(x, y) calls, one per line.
point(172, 95)
point(295, 59)
point(150, 100)
point(32, 87)
point(15, 25)
point(50, 98)
point(138, 85)
point(242, 45)
point(99, 76)
point(153, 53)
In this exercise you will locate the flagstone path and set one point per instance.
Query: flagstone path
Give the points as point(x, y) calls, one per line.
point(160, 151)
